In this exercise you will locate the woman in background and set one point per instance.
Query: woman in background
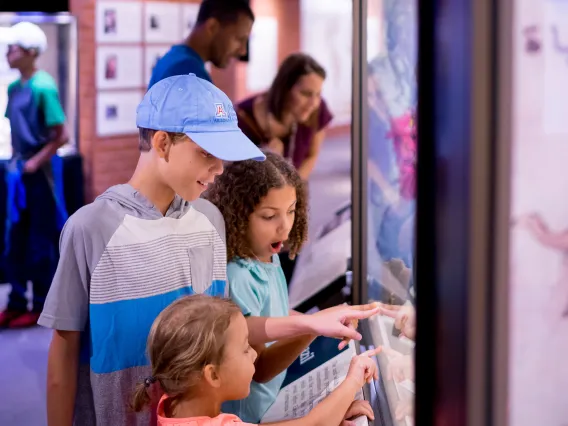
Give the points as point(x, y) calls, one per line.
point(290, 119)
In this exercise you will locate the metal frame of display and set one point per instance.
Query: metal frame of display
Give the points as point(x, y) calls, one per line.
point(374, 393)
point(359, 153)
point(462, 177)
point(499, 352)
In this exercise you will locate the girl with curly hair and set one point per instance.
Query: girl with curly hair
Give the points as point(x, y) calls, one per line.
point(265, 205)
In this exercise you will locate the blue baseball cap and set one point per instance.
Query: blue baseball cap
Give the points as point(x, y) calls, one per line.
point(188, 104)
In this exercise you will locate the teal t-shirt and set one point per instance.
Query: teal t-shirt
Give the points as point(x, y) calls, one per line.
point(260, 290)
point(33, 107)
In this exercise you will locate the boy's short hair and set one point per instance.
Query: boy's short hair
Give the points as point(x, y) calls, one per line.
point(145, 138)
point(224, 11)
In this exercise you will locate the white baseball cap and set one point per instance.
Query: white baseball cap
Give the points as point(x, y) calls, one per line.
point(25, 35)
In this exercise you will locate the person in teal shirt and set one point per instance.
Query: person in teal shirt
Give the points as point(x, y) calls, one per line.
point(260, 289)
point(265, 206)
point(35, 208)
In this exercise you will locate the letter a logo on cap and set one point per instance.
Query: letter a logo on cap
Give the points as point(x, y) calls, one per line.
point(220, 111)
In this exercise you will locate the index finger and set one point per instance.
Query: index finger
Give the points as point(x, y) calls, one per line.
point(393, 313)
point(393, 307)
point(366, 307)
point(372, 352)
point(356, 314)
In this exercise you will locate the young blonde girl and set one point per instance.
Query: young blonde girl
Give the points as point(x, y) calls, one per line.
point(200, 357)
point(264, 205)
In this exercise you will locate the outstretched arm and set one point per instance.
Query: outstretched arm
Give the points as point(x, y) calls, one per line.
point(276, 358)
point(333, 322)
point(305, 169)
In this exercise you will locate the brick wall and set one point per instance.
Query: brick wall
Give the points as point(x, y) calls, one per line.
point(111, 160)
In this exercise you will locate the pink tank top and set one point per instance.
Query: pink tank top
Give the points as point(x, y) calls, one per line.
point(220, 420)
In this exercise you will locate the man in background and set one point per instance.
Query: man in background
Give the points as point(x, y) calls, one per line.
point(220, 34)
point(35, 213)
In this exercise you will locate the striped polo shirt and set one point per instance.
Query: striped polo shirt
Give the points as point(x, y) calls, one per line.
point(122, 262)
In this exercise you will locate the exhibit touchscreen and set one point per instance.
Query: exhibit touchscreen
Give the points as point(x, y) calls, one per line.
point(391, 168)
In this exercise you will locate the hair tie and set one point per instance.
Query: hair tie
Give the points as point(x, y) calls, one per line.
point(148, 381)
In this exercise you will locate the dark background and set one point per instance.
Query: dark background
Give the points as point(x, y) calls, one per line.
point(49, 6)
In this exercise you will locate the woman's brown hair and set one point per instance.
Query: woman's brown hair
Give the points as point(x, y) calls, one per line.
point(241, 187)
point(291, 70)
point(186, 336)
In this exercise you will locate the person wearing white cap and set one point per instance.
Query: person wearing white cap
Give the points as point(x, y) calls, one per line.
point(34, 216)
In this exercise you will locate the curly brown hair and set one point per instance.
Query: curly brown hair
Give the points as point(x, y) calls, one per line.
point(242, 186)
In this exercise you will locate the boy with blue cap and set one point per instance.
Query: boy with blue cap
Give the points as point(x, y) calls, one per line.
point(140, 246)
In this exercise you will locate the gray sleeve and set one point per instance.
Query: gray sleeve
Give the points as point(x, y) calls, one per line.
point(81, 246)
point(67, 303)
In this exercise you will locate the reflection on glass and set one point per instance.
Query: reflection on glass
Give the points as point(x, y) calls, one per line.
point(392, 47)
point(538, 250)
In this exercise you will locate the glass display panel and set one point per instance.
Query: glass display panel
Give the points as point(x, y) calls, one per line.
point(391, 167)
point(59, 60)
point(538, 265)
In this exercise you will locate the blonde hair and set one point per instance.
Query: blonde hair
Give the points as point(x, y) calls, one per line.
point(186, 336)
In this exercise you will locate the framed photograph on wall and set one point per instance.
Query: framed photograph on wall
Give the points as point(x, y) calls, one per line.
point(152, 55)
point(118, 22)
point(116, 112)
point(162, 22)
point(189, 18)
point(119, 67)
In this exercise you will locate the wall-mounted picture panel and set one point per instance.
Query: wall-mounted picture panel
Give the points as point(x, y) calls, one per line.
point(119, 67)
point(162, 22)
point(118, 22)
